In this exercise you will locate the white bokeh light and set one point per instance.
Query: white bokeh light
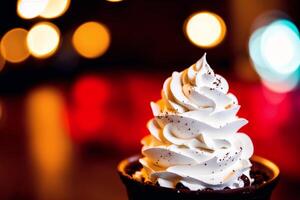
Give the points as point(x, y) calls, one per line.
point(29, 9)
point(43, 39)
point(280, 47)
point(205, 29)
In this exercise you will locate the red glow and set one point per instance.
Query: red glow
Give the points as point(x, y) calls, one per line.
point(271, 125)
point(265, 116)
point(131, 109)
point(91, 91)
point(117, 115)
point(114, 111)
point(88, 107)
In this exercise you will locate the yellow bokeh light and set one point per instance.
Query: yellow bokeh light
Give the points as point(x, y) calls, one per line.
point(13, 45)
point(43, 39)
point(205, 29)
point(91, 39)
point(114, 1)
point(29, 9)
point(55, 8)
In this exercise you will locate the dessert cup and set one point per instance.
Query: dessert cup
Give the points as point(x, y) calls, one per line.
point(264, 172)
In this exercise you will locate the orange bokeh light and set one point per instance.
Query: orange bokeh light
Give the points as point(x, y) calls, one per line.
point(49, 143)
point(13, 45)
point(91, 39)
point(2, 61)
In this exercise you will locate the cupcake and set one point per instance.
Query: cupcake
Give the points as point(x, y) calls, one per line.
point(194, 149)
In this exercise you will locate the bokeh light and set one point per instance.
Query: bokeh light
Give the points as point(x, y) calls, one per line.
point(205, 29)
point(114, 1)
point(280, 46)
point(274, 51)
point(91, 39)
point(49, 145)
point(43, 39)
point(29, 9)
point(2, 61)
point(55, 8)
point(1, 110)
point(13, 45)
point(284, 85)
point(90, 97)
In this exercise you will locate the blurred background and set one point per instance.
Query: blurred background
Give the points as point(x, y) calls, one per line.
point(76, 79)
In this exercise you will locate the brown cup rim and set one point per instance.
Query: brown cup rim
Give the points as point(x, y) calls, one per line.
point(256, 159)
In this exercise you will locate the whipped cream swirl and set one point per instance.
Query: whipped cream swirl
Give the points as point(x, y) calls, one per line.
point(194, 136)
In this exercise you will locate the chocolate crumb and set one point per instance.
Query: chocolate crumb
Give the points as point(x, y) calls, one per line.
point(246, 180)
point(208, 189)
point(148, 182)
point(179, 186)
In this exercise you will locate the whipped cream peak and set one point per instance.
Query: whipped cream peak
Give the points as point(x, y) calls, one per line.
point(202, 66)
point(194, 136)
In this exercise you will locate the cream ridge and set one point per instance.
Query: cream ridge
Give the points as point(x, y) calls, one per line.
point(194, 136)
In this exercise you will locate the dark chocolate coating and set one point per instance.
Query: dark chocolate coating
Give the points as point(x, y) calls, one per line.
point(260, 190)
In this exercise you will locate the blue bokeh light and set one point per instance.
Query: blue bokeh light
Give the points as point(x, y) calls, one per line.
point(275, 52)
